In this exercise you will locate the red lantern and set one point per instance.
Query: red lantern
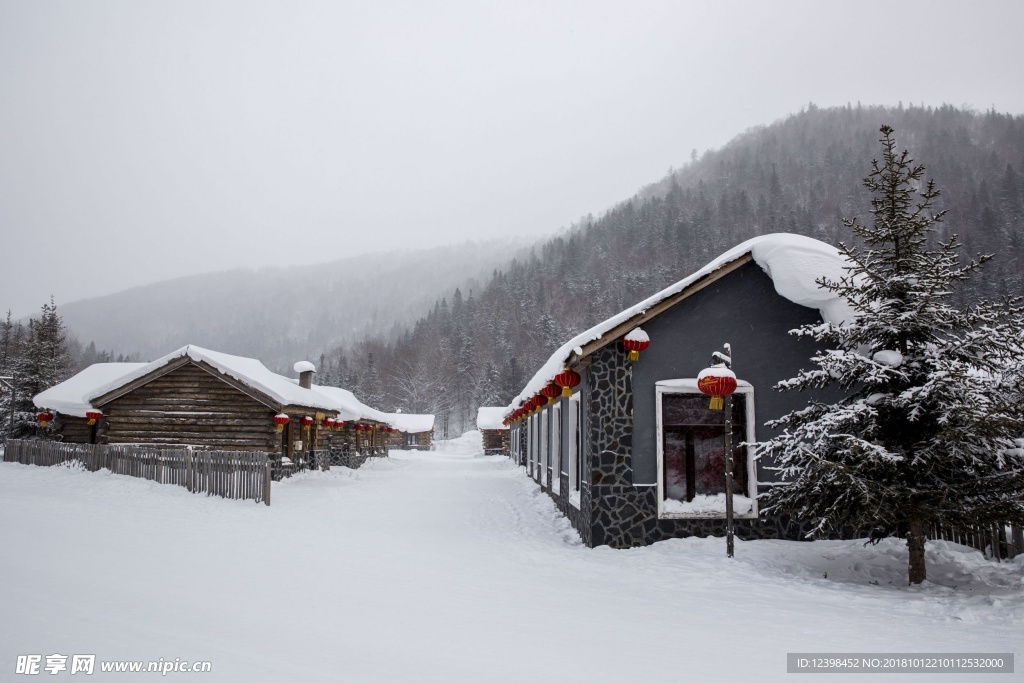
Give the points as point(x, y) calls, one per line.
point(93, 416)
point(281, 420)
point(717, 382)
point(551, 391)
point(328, 423)
point(359, 427)
point(567, 379)
point(339, 425)
point(45, 418)
point(635, 342)
point(306, 421)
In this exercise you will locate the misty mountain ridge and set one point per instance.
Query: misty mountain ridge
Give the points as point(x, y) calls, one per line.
point(284, 314)
point(803, 174)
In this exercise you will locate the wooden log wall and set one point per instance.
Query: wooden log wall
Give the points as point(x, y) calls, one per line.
point(72, 429)
point(495, 440)
point(191, 406)
point(229, 474)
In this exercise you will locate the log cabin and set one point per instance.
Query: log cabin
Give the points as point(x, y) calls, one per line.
point(196, 397)
point(493, 431)
point(414, 432)
point(202, 398)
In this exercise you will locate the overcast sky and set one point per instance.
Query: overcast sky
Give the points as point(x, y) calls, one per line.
point(146, 140)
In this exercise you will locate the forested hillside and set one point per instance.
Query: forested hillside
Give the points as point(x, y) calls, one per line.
point(803, 175)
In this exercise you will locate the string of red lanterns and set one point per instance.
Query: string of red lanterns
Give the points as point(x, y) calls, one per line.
point(567, 379)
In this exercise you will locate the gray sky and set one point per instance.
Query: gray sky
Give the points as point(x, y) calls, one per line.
point(146, 140)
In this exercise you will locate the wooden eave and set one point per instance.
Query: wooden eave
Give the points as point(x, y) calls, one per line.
point(252, 393)
point(579, 361)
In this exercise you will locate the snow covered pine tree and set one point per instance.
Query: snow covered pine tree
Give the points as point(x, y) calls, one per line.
point(925, 434)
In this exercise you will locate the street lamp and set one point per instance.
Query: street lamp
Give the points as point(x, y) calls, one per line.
point(719, 382)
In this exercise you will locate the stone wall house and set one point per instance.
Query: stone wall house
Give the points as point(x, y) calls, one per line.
point(635, 454)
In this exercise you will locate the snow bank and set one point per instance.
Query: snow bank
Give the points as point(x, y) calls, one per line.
point(470, 443)
point(709, 505)
point(419, 567)
point(793, 262)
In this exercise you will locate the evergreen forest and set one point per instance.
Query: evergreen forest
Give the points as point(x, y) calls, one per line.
point(802, 175)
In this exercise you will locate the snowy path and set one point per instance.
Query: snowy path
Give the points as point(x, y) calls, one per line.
point(446, 566)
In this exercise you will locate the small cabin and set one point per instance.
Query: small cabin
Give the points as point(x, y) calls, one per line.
point(192, 397)
point(414, 432)
point(614, 428)
point(493, 430)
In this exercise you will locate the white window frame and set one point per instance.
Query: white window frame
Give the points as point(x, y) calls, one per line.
point(545, 445)
point(529, 443)
point(689, 386)
point(574, 452)
point(556, 447)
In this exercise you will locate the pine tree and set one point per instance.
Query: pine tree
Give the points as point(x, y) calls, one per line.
point(925, 433)
point(44, 361)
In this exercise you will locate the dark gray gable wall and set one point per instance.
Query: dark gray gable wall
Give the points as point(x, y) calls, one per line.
point(618, 502)
point(744, 310)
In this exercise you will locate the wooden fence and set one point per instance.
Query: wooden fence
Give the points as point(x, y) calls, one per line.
point(999, 541)
point(230, 474)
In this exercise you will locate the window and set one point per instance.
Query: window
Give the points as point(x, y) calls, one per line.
point(691, 452)
point(545, 450)
point(531, 438)
point(572, 427)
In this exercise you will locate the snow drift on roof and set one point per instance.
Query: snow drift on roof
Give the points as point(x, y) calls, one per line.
point(491, 418)
point(71, 397)
point(793, 262)
point(411, 424)
point(344, 401)
point(248, 371)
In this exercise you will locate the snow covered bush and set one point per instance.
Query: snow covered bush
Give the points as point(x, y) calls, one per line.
point(925, 433)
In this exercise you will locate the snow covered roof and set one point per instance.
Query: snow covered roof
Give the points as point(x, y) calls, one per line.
point(248, 371)
point(348, 406)
point(75, 395)
point(411, 424)
point(491, 418)
point(793, 262)
point(70, 397)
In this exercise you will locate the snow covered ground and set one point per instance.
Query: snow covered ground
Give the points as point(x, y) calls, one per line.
point(450, 566)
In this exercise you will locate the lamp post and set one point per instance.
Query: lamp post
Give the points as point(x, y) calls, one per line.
point(719, 382)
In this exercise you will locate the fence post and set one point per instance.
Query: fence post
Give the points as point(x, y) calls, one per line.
point(266, 481)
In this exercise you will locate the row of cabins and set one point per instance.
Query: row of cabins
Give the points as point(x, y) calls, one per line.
point(206, 399)
point(633, 453)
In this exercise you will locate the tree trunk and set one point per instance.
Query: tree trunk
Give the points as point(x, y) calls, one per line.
point(915, 544)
